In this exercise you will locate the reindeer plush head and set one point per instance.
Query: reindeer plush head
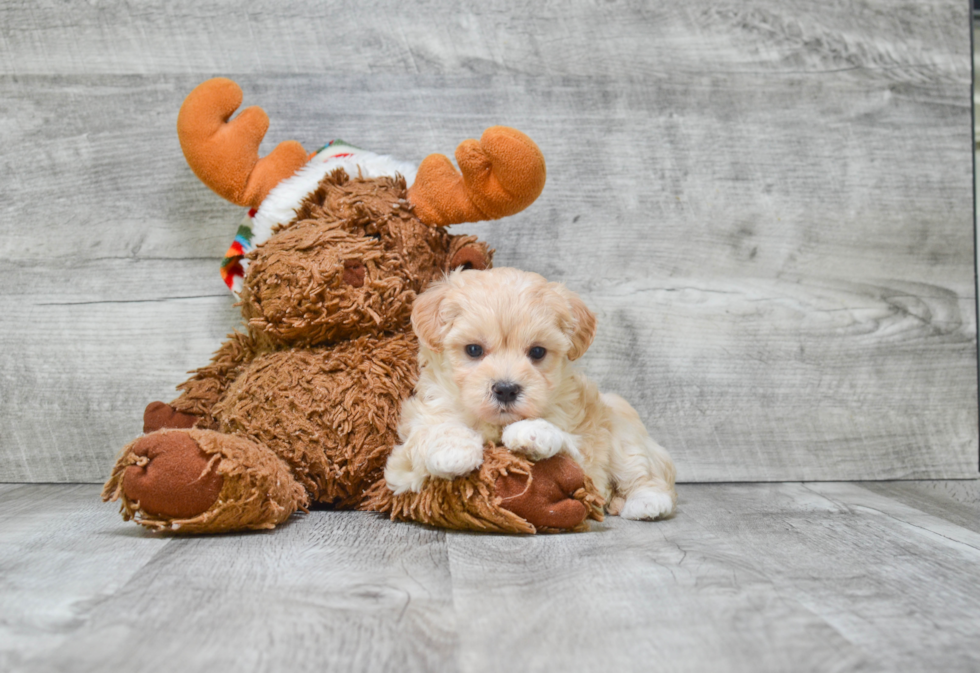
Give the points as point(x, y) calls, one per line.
point(337, 243)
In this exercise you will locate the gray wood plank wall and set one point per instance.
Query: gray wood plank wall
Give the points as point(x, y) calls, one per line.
point(768, 204)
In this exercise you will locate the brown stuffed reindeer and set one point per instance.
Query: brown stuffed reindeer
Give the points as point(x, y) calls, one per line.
point(303, 406)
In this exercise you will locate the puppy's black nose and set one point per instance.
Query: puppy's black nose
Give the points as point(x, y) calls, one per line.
point(505, 391)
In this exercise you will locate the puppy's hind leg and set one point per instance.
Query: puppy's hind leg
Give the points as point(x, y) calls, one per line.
point(641, 469)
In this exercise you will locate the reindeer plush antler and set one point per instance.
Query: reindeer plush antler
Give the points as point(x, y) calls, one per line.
point(225, 155)
point(501, 175)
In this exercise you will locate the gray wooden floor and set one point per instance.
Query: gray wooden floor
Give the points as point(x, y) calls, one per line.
point(747, 577)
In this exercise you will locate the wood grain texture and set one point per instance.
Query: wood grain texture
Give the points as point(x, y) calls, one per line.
point(769, 207)
point(632, 597)
point(865, 563)
point(334, 592)
point(747, 577)
point(955, 501)
point(552, 38)
point(61, 556)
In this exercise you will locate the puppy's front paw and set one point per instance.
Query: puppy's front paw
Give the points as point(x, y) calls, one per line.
point(454, 454)
point(647, 505)
point(537, 438)
point(400, 473)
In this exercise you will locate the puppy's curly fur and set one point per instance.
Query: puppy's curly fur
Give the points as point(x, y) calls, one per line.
point(496, 348)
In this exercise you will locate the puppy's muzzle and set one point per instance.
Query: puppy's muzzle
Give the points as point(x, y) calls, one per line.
point(505, 392)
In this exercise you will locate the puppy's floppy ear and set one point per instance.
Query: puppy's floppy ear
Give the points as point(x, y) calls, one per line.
point(427, 315)
point(582, 325)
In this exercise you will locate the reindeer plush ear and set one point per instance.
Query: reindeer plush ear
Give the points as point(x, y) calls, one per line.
point(581, 326)
point(500, 175)
point(429, 317)
point(468, 252)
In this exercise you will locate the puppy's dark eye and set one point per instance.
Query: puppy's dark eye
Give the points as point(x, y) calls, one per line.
point(376, 236)
point(474, 350)
point(537, 353)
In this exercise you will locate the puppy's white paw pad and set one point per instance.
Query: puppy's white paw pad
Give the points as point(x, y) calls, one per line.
point(647, 506)
point(536, 438)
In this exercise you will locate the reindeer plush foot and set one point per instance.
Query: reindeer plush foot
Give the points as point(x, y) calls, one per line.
point(508, 494)
point(200, 481)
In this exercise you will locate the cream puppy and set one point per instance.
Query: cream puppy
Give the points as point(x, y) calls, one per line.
point(495, 352)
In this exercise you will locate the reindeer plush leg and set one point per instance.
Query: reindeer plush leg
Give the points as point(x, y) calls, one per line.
point(200, 481)
point(160, 416)
point(508, 494)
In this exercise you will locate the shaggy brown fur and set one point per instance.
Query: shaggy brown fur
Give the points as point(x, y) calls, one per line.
point(335, 415)
point(476, 501)
point(293, 293)
point(304, 406)
point(203, 390)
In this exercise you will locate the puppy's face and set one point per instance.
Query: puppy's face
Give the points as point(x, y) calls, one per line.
point(503, 337)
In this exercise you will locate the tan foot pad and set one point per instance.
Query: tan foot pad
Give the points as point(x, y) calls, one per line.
point(172, 476)
point(549, 502)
